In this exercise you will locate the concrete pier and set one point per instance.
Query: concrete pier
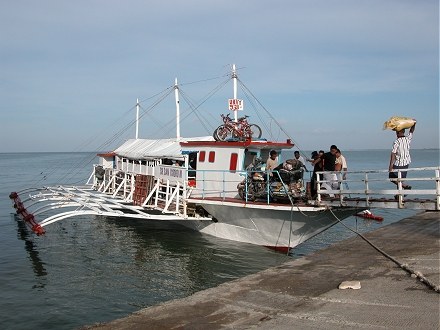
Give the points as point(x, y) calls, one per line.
point(304, 294)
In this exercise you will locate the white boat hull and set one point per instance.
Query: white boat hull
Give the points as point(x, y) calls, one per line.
point(275, 227)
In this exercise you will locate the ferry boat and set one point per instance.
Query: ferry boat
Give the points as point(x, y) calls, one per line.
point(199, 182)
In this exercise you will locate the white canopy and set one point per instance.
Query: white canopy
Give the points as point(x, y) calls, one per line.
point(151, 149)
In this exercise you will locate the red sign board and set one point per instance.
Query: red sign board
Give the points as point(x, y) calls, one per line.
point(235, 104)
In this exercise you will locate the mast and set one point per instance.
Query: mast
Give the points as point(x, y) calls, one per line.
point(234, 79)
point(137, 119)
point(176, 95)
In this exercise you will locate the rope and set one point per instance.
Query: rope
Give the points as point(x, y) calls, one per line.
point(293, 205)
point(405, 267)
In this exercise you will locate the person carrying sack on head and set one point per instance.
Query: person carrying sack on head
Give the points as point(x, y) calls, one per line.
point(400, 155)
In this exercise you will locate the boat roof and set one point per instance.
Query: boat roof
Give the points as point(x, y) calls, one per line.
point(256, 144)
point(152, 149)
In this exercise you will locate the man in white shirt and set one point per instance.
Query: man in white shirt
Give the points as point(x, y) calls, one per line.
point(272, 161)
point(341, 164)
point(400, 156)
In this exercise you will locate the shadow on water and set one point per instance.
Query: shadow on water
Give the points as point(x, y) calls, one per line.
point(24, 235)
point(201, 260)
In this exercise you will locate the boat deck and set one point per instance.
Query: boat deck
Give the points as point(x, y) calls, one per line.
point(389, 203)
point(258, 202)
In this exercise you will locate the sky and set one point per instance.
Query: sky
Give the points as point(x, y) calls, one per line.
point(330, 71)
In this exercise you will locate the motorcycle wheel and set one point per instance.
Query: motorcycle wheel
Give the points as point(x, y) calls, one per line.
point(250, 193)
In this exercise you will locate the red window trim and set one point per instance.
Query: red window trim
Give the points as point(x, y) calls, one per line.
point(211, 157)
point(202, 155)
point(233, 162)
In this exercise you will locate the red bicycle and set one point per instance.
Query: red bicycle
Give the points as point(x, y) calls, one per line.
point(239, 130)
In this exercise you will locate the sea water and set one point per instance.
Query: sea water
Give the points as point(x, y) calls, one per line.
point(86, 270)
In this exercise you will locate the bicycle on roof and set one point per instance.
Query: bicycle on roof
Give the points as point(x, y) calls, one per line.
point(240, 130)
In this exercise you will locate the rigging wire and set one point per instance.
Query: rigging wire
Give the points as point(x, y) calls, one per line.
point(265, 110)
point(112, 140)
point(90, 156)
point(194, 109)
point(159, 97)
point(203, 101)
point(251, 97)
point(118, 136)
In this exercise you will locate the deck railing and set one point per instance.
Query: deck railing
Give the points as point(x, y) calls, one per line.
point(359, 188)
point(375, 187)
point(224, 184)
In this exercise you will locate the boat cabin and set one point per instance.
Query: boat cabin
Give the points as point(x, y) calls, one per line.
point(220, 165)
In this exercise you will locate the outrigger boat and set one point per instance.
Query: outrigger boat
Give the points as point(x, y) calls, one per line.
point(191, 182)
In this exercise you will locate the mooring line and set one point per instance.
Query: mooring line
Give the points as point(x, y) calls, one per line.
point(405, 267)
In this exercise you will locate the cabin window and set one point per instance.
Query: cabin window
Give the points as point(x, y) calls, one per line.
point(233, 162)
point(211, 157)
point(202, 156)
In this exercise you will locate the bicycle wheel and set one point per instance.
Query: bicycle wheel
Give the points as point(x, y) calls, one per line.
point(214, 135)
point(255, 131)
point(221, 133)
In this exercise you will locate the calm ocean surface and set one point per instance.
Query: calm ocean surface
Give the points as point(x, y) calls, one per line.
point(92, 269)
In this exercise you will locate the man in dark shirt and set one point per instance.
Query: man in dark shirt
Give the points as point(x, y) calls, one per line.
point(329, 160)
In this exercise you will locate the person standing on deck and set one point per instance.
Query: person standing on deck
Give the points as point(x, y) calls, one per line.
point(317, 166)
point(400, 155)
point(341, 164)
point(329, 159)
point(300, 158)
point(272, 161)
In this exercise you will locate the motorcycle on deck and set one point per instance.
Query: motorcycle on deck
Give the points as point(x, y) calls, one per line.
point(255, 184)
point(285, 183)
point(288, 183)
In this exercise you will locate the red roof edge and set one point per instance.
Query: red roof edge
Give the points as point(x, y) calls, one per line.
point(106, 154)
